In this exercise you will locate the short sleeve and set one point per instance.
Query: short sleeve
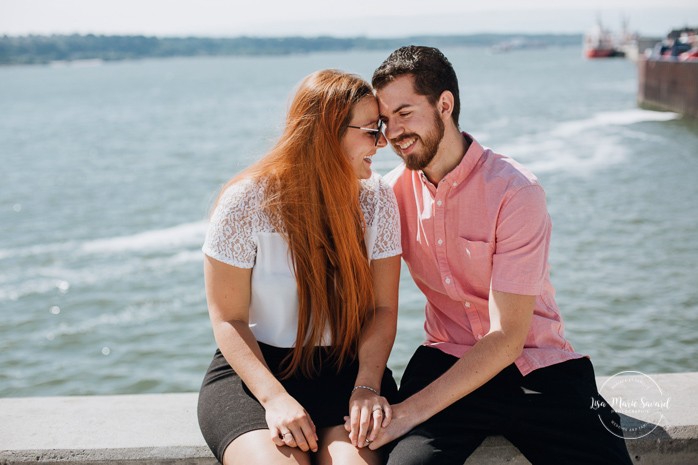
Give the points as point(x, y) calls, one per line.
point(520, 262)
point(230, 236)
point(387, 223)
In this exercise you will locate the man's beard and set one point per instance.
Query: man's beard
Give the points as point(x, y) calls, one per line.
point(430, 145)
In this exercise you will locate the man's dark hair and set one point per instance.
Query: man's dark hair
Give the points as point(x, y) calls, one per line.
point(432, 72)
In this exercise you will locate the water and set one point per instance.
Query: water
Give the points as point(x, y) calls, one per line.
point(108, 173)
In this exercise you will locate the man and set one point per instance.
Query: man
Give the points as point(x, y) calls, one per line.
point(475, 237)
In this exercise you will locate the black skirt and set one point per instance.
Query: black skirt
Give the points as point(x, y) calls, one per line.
point(227, 408)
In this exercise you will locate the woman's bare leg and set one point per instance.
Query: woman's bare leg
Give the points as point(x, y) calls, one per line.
point(336, 449)
point(257, 447)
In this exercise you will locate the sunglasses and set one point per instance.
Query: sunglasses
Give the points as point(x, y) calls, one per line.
point(377, 132)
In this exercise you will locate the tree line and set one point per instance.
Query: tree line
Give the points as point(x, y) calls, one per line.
point(38, 49)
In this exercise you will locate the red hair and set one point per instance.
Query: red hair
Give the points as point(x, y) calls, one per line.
point(315, 194)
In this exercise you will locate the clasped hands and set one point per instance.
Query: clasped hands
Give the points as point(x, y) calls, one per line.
point(369, 415)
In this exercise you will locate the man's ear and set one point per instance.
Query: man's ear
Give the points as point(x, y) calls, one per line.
point(445, 105)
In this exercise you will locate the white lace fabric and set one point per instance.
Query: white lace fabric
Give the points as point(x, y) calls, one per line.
point(242, 234)
point(239, 218)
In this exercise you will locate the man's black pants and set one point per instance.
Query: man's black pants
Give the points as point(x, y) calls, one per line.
point(546, 414)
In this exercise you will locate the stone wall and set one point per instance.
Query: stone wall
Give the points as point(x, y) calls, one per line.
point(668, 86)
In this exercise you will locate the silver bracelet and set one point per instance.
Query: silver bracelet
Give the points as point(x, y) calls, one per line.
point(365, 387)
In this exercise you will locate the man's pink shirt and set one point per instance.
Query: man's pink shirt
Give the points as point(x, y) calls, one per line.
point(486, 225)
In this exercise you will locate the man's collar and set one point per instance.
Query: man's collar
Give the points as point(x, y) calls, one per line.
point(466, 165)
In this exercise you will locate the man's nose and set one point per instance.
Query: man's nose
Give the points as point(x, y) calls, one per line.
point(392, 129)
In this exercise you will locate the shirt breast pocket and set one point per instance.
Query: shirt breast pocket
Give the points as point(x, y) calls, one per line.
point(476, 257)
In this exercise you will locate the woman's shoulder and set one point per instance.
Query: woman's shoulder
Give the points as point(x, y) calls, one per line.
point(243, 194)
point(242, 203)
point(234, 223)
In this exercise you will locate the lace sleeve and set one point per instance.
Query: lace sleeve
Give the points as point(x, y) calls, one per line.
point(386, 222)
point(230, 237)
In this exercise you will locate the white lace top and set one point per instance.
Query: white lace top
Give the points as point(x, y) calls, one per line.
point(242, 234)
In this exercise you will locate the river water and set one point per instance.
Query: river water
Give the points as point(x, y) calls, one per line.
point(107, 174)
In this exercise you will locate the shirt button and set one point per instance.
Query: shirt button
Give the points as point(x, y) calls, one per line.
point(438, 203)
point(455, 184)
point(467, 304)
point(479, 336)
point(448, 280)
point(440, 241)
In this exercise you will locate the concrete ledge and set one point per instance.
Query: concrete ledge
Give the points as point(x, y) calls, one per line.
point(163, 429)
point(147, 429)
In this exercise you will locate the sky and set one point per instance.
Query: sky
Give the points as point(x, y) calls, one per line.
point(376, 18)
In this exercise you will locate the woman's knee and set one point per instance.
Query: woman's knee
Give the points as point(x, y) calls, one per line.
point(335, 448)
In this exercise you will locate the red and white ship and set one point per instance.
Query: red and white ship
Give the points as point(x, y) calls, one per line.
point(602, 43)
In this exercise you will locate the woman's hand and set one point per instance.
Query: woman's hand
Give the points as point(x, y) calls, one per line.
point(369, 413)
point(289, 424)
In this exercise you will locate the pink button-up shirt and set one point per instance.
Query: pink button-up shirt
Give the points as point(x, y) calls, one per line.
point(485, 225)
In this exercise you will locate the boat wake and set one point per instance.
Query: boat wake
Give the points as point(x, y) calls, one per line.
point(58, 267)
point(580, 146)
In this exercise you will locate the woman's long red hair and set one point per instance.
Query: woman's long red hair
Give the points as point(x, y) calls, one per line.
point(315, 194)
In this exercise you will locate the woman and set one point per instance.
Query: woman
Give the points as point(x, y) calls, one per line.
point(302, 268)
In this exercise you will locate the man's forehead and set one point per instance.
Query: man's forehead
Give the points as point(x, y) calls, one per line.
point(401, 85)
point(397, 94)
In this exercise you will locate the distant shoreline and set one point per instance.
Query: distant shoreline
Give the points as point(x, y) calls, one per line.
point(37, 49)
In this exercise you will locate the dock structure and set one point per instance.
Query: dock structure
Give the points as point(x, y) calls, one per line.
point(158, 429)
point(668, 85)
